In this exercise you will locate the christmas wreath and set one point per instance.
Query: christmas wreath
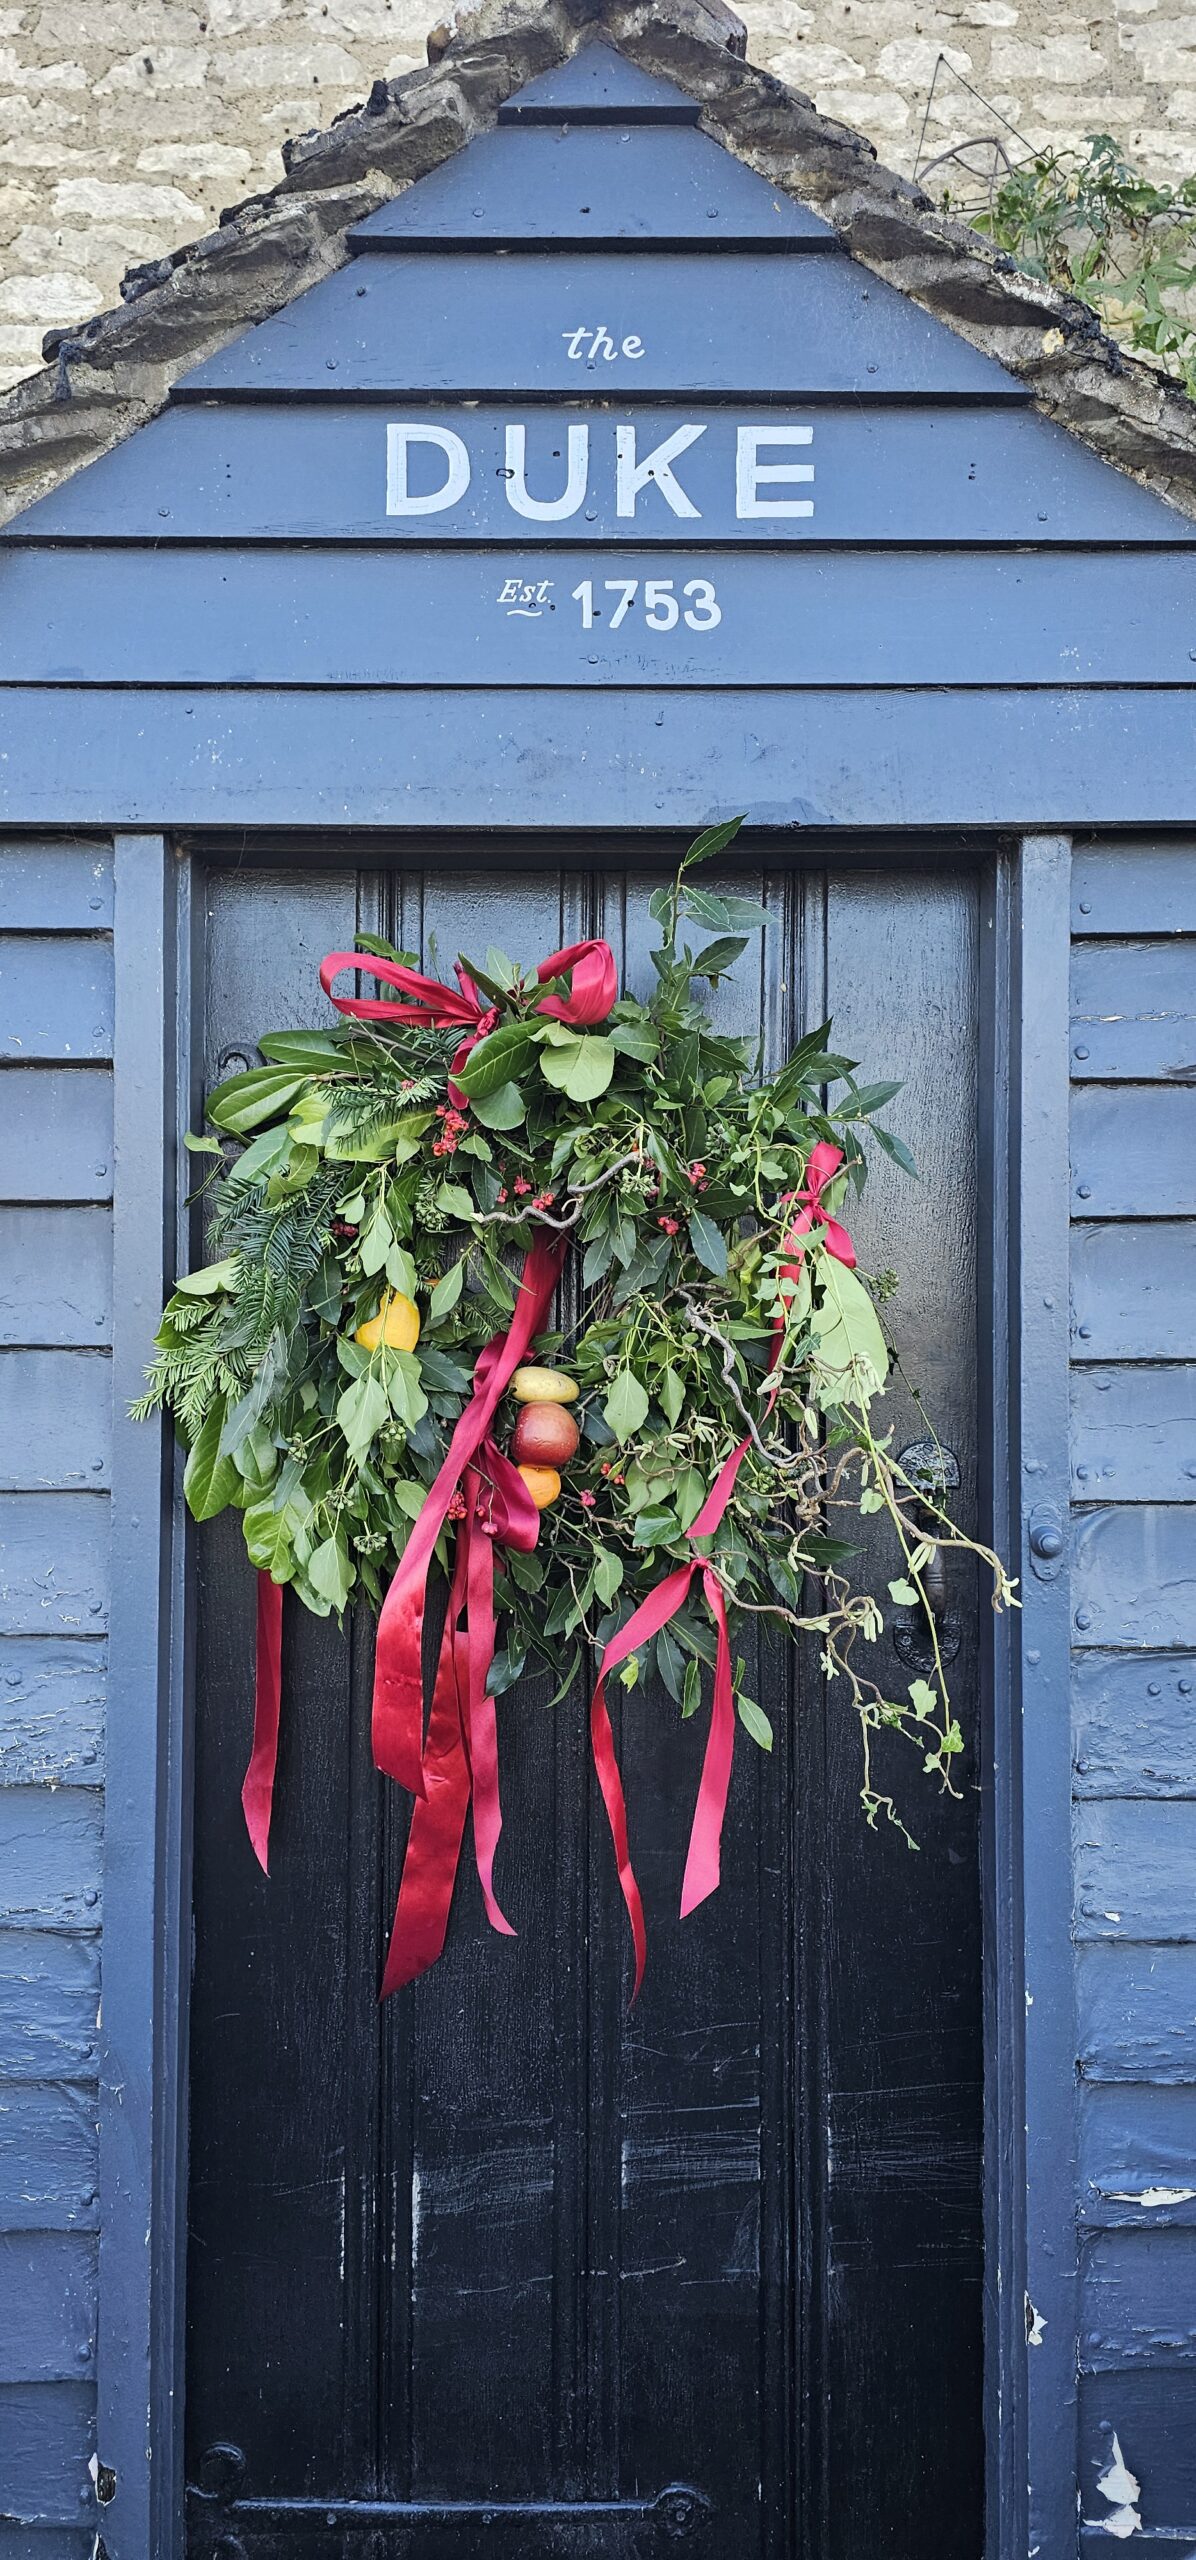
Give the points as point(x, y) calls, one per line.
point(366, 1369)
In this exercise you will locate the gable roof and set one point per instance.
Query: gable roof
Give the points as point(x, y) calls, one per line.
point(108, 377)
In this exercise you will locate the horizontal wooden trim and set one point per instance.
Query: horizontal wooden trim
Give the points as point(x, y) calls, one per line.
point(1133, 1009)
point(55, 997)
point(1134, 887)
point(55, 1134)
point(1133, 1576)
point(49, 2005)
point(1138, 2298)
point(510, 761)
point(1136, 2022)
point(1153, 2415)
point(54, 1690)
point(554, 618)
point(56, 1275)
point(1134, 1863)
point(51, 1840)
point(1134, 1718)
point(53, 1565)
point(55, 888)
point(55, 1421)
point(47, 2294)
point(48, 2158)
point(1137, 2155)
point(1133, 1151)
point(1133, 1290)
point(1133, 1434)
point(47, 2437)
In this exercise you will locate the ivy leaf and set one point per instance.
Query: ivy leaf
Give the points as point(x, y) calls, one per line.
point(708, 1243)
point(755, 1722)
point(626, 1406)
point(852, 1359)
point(361, 1412)
point(904, 1593)
point(655, 1527)
point(645, 1268)
point(243, 1102)
point(446, 1292)
point(329, 1571)
point(496, 1061)
point(607, 1570)
point(502, 1109)
point(923, 1699)
point(211, 1478)
point(583, 1069)
point(670, 1395)
point(201, 1146)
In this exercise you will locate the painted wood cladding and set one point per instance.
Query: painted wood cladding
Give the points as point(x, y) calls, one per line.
point(55, 1434)
point(1133, 1597)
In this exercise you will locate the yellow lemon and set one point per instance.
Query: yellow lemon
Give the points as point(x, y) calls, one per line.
point(543, 1386)
point(396, 1324)
point(543, 1484)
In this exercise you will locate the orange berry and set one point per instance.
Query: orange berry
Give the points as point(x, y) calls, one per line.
point(543, 1484)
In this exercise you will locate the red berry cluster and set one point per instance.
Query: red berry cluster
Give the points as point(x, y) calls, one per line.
point(454, 1126)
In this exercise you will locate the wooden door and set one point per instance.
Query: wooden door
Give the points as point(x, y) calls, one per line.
point(501, 2268)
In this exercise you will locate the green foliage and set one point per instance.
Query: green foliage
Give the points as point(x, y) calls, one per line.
point(348, 1172)
point(1086, 222)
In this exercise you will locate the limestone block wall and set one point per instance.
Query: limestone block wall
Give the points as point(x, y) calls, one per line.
point(125, 125)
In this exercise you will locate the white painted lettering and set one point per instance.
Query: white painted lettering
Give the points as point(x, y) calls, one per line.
point(601, 344)
point(632, 476)
point(547, 510)
point(751, 472)
point(573, 339)
point(399, 498)
point(633, 349)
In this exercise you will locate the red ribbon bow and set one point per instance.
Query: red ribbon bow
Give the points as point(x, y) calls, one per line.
point(458, 1756)
point(426, 1000)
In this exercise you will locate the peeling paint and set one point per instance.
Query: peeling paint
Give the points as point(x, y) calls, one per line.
point(1119, 2486)
point(1153, 2196)
point(1035, 2325)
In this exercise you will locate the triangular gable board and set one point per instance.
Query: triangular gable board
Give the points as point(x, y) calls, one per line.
point(599, 86)
point(659, 184)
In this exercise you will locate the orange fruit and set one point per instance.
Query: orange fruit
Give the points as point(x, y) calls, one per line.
point(543, 1484)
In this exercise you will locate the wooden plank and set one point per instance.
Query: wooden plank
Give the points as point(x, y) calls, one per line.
point(49, 2545)
point(47, 2306)
point(1138, 2298)
point(55, 1420)
point(55, 888)
point(1133, 1434)
point(1134, 1724)
point(317, 471)
point(1137, 2166)
point(1133, 1151)
point(438, 760)
point(1133, 1291)
point(1134, 888)
point(51, 1841)
point(142, 615)
point(55, 1134)
point(55, 996)
point(1153, 2416)
point(47, 2159)
point(55, 1276)
point(1133, 1010)
point(707, 319)
point(579, 185)
point(47, 2438)
point(1133, 1869)
point(49, 2005)
point(598, 85)
point(52, 1694)
point(53, 1564)
point(1133, 1576)
point(1136, 2013)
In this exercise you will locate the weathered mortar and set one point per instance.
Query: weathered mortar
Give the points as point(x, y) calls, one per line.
point(107, 376)
point(124, 127)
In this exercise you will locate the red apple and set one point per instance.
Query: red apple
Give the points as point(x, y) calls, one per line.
point(545, 1435)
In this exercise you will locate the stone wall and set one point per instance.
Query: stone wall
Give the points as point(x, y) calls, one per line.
point(126, 124)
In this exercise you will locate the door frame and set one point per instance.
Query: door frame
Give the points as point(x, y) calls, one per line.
point(1030, 2242)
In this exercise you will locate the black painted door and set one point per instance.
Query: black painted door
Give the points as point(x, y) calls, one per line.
point(501, 2268)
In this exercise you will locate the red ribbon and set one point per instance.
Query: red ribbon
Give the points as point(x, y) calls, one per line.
point(591, 966)
point(457, 1758)
point(702, 1865)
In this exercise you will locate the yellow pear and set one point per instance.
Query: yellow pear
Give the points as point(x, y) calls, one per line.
point(543, 1386)
point(396, 1324)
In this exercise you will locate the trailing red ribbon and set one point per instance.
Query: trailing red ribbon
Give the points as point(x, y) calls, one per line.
point(702, 1865)
point(257, 1793)
point(590, 965)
